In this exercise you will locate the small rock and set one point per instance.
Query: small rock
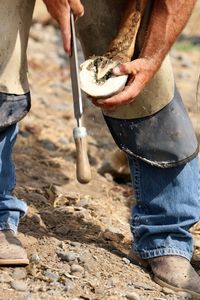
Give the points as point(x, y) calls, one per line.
point(5, 277)
point(109, 177)
point(35, 259)
point(36, 219)
point(68, 286)
point(48, 145)
point(62, 245)
point(84, 203)
point(84, 258)
point(19, 285)
point(63, 140)
point(19, 274)
point(63, 230)
point(133, 296)
point(82, 214)
point(113, 234)
point(51, 276)
point(76, 269)
point(71, 256)
point(55, 284)
point(126, 260)
point(75, 244)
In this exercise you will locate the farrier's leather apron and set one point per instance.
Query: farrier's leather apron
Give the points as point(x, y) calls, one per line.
point(137, 128)
point(15, 21)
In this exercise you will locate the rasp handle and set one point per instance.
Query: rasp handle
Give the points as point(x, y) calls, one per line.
point(83, 171)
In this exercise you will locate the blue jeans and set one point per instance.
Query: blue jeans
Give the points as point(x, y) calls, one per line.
point(168, 204)
point(11, 208)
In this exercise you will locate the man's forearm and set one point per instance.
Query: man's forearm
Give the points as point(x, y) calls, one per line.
point(167, 21)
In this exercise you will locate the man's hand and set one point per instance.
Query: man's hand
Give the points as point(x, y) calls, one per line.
point(60, 11)
point(141, 71)
point(166, 23)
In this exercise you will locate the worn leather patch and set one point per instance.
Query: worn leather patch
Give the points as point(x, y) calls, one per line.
point(13, 108)
point(164, 139)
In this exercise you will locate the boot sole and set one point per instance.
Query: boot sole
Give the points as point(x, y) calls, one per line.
point(175, 289)
point(14, 262)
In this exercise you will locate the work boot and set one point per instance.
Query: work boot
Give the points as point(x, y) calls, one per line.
point(11, 250)
point(174, 272)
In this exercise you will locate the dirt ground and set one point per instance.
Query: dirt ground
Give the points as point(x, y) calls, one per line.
point(77, 236)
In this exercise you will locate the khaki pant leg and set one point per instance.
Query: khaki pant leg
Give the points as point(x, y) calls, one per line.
point(15, 21)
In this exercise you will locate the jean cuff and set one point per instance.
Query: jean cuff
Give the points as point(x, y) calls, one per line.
point(8, 226)
point(163, 252)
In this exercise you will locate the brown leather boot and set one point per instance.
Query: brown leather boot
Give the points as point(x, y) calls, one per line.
point(11, 249)
point(174, 272)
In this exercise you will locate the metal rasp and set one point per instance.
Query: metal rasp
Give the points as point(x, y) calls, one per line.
point(83, 172)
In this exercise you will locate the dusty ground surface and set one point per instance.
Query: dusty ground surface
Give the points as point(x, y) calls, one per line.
point(77, 236)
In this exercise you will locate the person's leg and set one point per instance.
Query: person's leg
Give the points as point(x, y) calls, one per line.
point(11, 208)
point(168, 204)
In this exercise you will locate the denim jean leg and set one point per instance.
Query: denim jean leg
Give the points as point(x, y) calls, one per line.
point(11, 208)
point(168, 204)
